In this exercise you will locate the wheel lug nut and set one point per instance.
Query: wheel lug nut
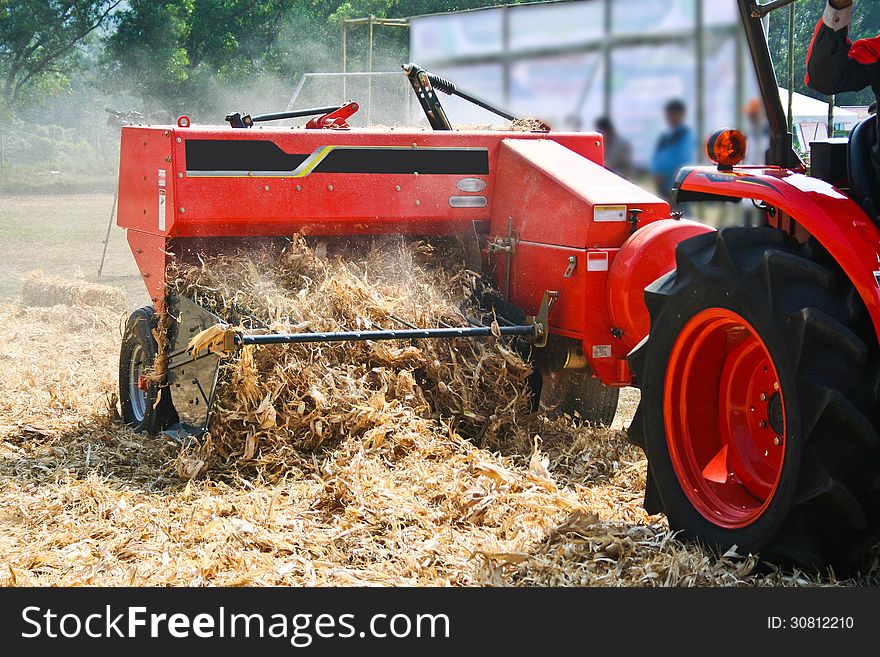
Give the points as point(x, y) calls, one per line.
point(752, 409)
point(764, 396)
point(776, 386)
point(764, 424)
point(777, 441)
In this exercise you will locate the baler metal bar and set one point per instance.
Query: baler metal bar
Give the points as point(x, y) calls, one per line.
point(295, 114)
point(479, 102)
point(531, 330)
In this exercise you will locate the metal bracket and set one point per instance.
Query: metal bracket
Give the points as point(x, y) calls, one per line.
point(239, 120)
point(337, 119)
point(191, 378)
point(633, 219)
point(506, 245)
point(427, 97)
point(542, 319)
point(572, 265)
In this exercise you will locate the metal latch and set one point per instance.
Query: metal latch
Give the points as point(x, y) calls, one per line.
point(505, 246)
point(633, 219)
point(572, 265)
point(542, 319)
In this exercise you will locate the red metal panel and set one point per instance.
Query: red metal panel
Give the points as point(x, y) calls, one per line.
point(645, 257)
point(334, 203)
point(830, 216)
point(551, 195)
point(149, 253)
point(538, 268)
point(144, 153)
point(581, 310)
point(318, 203)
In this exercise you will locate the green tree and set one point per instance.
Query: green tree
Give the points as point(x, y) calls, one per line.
point(39, 40)
point(169, 50)
point(866, 23)
point(188, 55)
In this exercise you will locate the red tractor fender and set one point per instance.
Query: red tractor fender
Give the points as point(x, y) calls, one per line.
point(646, 256)
point(801, 204)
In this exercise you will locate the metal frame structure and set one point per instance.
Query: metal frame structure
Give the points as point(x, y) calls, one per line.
point(606, 45)
point(371, 22)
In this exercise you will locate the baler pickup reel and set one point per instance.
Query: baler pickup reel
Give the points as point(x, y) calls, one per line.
point(198, 341)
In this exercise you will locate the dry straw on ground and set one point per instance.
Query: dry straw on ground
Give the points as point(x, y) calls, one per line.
point(43, 290)
point(365, 471)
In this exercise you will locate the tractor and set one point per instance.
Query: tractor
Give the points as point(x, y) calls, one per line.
point(755, 348)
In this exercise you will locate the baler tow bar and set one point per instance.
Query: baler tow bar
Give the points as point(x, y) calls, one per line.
point(227, 339)
point(198, 340)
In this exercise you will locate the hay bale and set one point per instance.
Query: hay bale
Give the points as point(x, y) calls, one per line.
point(277, 399)
point(39, 290)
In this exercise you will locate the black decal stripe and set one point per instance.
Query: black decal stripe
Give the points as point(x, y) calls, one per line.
point(207, 155)
point(239, 155)
point(408, 160)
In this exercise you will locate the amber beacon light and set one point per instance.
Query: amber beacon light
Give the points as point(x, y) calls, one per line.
point(727, 148)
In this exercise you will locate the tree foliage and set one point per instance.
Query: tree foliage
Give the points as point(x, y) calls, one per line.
point(177, 51)
point(39, 40)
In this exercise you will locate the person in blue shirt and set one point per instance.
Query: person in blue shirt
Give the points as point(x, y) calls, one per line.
point(675, 148)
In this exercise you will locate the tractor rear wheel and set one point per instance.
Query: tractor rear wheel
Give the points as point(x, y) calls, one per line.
point(577, 393)
point(759, 388)
point(145, 407)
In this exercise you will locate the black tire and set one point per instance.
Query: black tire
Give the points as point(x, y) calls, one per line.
point(577, 393)
point(146, 407)
point(824, 509)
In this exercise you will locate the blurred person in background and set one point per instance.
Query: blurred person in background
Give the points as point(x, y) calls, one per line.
point(675, 148)
point(618, 151)
point(837, 65)
point(758, 140)
point(757, 132)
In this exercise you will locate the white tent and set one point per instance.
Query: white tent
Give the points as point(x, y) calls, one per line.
point(810, 110)
point(811, 118)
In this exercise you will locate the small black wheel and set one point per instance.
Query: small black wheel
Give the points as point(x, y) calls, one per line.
point(578, 394)
point(759, 385)
point(145, 406)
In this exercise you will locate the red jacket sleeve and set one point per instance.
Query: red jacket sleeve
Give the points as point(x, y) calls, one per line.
point(830, 69)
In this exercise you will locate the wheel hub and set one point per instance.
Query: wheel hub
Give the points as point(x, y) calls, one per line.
point(774, 413)
point(724, 418)
point(137, 383)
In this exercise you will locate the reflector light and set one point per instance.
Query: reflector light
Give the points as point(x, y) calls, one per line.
point(727, 148)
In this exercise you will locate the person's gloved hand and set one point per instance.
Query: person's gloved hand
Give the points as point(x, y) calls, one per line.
point(840, 4)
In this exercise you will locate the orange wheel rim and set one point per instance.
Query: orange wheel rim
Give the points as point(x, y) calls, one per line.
point(724, 416)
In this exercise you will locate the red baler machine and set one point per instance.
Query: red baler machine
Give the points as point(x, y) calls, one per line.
point(569, 243)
